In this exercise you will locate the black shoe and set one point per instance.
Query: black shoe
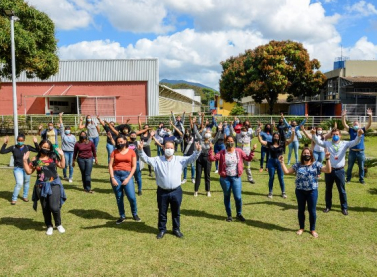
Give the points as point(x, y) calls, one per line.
point(362, 182)
point(240, 218)
point(252, 181)
point(161, 234)
point(120, 220)
point(326, 210)
point(139, 193)
point(177, 233)
point(136, 218)
point(345, 212)
point(229, 218)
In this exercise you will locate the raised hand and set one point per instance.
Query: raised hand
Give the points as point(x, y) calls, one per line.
point(344, 112)
point(281, 115)
point(6, 140)
point(61, 153)
point(61, 114)
point(81, 118)
point(360, 132)
point(171, 123)
point(254, 146)
point(312, 131)
point(140, 145)
point(35, 140)
point(26, 156)
point(327, 154)
point(198, 146)
point(40, 127)
point(307, 116)
point(281, 158)
point(153, 133)
point(293, 129)
point(369, 112)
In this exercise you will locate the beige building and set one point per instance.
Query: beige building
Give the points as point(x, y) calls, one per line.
point(253, 108)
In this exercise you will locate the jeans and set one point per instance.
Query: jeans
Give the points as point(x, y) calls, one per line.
point(233, 183)
point(51, 205)
point(128, 189)
point(164, 198)
point(137, 176)
point(354, 156)
point(160, 151)
point(95, 141)
point(319, 156)
point(274, 165)
point(110, 148)
point(264, 152)
point(293, 146)
point(192, 170)
point(22, 179)
point(202, 163)
point(68, 156)
point(336, 176)
point(176, 146)
point(310, 197)
point(217, 148)
point(86, 166)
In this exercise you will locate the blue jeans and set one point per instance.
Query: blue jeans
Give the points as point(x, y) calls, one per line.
point(160, 151)
point(110, 148)
point(310, 197)
point(22, 179)
point(86, 166)
point(274, 165)
point(319, 156)
point(354, 156)
point(95, 141)
point(233, 183)
point(137, 176)
point(264, 152)
point(293, 146)
point(128, 189)
point(68, 156)
point(336, 176)
point(217, 149)
point(192, 170)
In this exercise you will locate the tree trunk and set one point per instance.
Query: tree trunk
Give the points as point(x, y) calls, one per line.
point(271, 106)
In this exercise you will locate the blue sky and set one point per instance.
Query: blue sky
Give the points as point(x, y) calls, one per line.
point(191, 37)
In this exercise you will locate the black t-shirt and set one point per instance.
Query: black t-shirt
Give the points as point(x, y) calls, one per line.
point(18, 152)
point(107, 129)
point(46, 169)
point(145, 138)
point(133, 145)
point(275, 152)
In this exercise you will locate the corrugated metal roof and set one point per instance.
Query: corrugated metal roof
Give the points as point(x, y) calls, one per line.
point(361, 79)
point(107, 71)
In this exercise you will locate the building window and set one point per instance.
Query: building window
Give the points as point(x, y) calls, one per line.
point(221, 102)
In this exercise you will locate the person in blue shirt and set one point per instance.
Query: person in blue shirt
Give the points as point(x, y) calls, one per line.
point(356, 153)
point(307, 172)
point(295, 144)
point(266, 135)
point(226, 128)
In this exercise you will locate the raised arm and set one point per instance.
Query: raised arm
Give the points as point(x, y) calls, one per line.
point(5, 150)
point(151, 161)
point(369, 113)
point(261, 141)
point(232, 132)
point(183, 117)
point(302, 123)
point(345, 126)
point(175, 128)
point(156, 141)
point(194, 156)
point(211, 156)
point(316, 140)
point(196, 132)
point(34, 149)
point(112, 128)
point(61, 160)
point(292, 136)
point(101, 121)
point(191, 122)
point(309, 136)
point(28, 169)
point(173, 117)
point(285, 169)
point(81, 125)
point(357, 140)
point(143, 131)
point(139, 121)
point(327, 168)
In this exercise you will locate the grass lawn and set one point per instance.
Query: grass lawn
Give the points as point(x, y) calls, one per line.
point(265, 245)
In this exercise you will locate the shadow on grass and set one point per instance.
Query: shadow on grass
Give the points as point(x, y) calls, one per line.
point(7, 195)
point(138, 227)
point(250, 222)
point(254, 193)
point(284, 206)
point(372, 191)
point(96, 190)
point(22, 223)
point(91, 214)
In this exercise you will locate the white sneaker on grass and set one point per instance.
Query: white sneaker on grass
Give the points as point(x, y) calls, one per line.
point(49, 231)
point(70, 180)
point(61, 229)
point(193, 180)
point(196, 194)
point(183, 181)
point(216, 171)
point(208, 194)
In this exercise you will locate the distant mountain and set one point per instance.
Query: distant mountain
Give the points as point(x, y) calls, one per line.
point(174, 82)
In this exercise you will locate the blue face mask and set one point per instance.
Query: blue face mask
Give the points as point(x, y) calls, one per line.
point(356, 127)
point(335, 137)
point(67, 132)
point(20, 143)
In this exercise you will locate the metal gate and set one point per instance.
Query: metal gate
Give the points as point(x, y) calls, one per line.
point(102, 106)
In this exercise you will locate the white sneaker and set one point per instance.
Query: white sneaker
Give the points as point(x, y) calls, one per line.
point(183, 181)
point(49, 231)
point(216, 171)
point(195, 193)
point(193, 180)
point(208, 193)
point(70, 180)
point(65, 178)
point(61, 229)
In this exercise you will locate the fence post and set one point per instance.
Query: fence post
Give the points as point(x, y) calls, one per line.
point(31, 123)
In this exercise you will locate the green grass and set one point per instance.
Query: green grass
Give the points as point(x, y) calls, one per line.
point(265, 245)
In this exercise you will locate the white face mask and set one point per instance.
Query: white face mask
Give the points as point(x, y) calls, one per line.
point(207, 135)
point(170, 133)
point(319, 132)
point(243, 133)
point(169, 152)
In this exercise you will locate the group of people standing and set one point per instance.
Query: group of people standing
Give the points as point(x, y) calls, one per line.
point(202, 142)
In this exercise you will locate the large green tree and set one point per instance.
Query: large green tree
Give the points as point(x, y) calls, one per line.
point(278, 67)
point(36, 46)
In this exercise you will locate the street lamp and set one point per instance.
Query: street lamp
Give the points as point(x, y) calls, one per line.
point(13, 18)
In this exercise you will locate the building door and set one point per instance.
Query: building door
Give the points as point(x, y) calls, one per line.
point(102, 106)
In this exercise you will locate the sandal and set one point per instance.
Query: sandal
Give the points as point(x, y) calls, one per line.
point(299, 232)
point(25, 199)
point(314, 234)
point(13, 202)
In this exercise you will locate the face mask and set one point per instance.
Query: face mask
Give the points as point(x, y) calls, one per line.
point(82, 137)
point(169, 152)
point(207, 135)
point(280, 122)
point(243, 133)
point(306, 157)
point(335, 137)
point(51, 127)
point(356, 127)
point(237, 122)
point(319, 132)
point(20, 143)
point(120, 146)
point(133, 139)
point(225, 124)
point(268, 129)
point(45, 151)
point(169, 133)
point(275, 140)
point(229, 144)
point(89, 119)
point(67, 132)
point(294, 125)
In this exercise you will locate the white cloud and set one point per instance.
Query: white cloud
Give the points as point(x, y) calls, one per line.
point(362, 8)
point(363, 50)
point(66, 14)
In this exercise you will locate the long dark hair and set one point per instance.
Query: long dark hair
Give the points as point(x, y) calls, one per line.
point(273, 135)
point(266, 129)
point(51, 154)
point(122, 137)
point(85, 135)
point(86, 121)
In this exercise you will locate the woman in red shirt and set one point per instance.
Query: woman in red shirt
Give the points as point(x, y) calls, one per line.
point(122, 167)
